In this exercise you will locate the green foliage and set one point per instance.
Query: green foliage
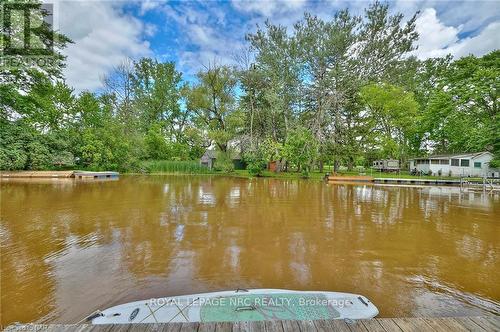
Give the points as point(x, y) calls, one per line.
point(22, 147)
point(157, 87)
point(258, 158)
point(213, 104)
point(394, 113)
point(156, 145)
point(224, 161)
point(169, 166)
point(340, 91)
point(255, 164)
point(301, 149)
point(462, 113)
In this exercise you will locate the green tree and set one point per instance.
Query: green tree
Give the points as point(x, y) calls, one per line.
point(395, 117)
point(157, 93)
point(301, 149)
point(213, 102)
point(462, 113)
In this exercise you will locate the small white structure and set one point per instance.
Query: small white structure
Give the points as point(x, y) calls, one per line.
point(208, 159)
point(386, 165)
point(464, 164)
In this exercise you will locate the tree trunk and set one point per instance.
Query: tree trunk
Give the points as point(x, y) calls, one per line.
point(336, 166)
point(350, 163)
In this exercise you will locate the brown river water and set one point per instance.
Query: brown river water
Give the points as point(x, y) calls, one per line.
point(71, 247)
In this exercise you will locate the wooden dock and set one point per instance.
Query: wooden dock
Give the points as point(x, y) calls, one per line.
point(480, 324)
point(95, 175)
point(449, 182)
point(38, 174)
point(486, 184)
point(354, 178)
point(82, 175)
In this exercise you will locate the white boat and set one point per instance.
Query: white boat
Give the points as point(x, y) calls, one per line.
point(240, 305)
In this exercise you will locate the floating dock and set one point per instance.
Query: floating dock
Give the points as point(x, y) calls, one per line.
point(353, 178)
point(480, 324)
point(486, 184)
point(82, 175)
point(418, 181)
point(95, 175)
point(38, 174)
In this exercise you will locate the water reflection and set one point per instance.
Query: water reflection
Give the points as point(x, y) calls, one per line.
point(70, 247)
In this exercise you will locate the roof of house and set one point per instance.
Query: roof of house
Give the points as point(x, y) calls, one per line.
point(456, 155)
point(210, 154)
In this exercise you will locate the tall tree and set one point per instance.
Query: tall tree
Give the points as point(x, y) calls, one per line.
point(462, 113)
point(394, 112)
point(157, 89)
point(213, 101)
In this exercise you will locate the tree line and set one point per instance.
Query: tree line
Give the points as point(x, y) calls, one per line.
point(341, 92)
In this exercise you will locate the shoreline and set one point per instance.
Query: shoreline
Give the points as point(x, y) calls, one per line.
point(314, 176)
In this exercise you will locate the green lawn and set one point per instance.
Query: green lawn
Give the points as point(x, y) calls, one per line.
point(193, 167)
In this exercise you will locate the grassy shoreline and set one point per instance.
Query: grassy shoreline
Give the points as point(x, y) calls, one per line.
point(167, 167)
point(314, 176)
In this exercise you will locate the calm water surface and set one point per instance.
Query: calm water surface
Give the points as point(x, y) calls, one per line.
point(70, 247)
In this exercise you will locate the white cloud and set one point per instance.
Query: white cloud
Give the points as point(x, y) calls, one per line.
point(103, 36)
point(437, 39)
point(205, 37)
point(434, 35)
point(147, 5)
point(488, 40)
point(206, 31)
point(268, 8)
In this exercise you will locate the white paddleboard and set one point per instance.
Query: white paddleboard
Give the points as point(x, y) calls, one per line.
point(240, 305)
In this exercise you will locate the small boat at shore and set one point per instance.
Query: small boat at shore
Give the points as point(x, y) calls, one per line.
point(240, 305)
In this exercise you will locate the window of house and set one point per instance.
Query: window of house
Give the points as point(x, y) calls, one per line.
point(455, 162)
point(464, 162)
point(477, 164)
point(444, 162)
point(435, 161)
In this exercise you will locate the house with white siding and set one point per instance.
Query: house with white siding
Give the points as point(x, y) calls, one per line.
point(462, 164)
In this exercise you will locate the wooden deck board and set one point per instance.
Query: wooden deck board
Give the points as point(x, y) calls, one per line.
point(442, 325)
point(468, 324)
point(357, 327)
point(389, 325)
point(273, 326)
point(480, 324)
point(339, 325)
point(207, 327)
point(486, 324)
point(412, 324)
point(372, 325)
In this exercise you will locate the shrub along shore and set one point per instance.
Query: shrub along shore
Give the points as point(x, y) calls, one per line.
point(165, 167)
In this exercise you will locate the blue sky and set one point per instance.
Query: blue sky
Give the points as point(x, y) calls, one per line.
point(192, 33)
